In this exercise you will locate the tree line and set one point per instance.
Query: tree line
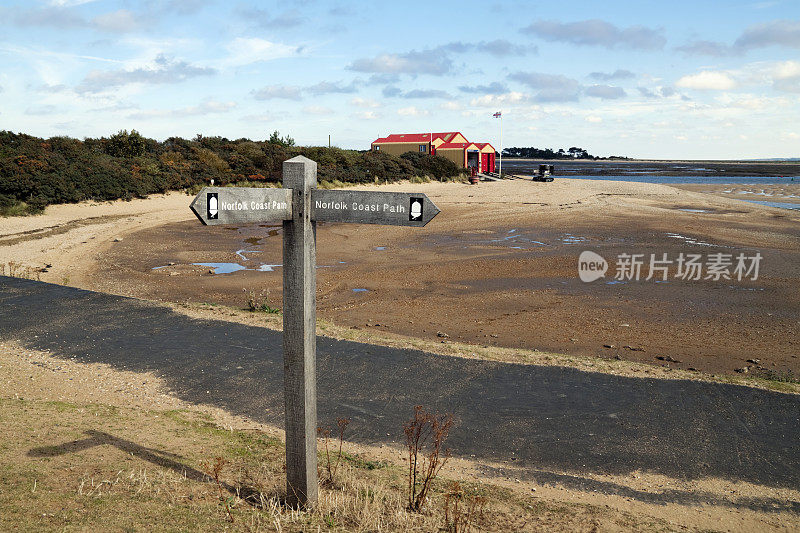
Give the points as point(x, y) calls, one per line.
point(574, 152)
point(36, 172)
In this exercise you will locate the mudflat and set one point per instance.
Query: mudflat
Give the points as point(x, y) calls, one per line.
point(497, 267)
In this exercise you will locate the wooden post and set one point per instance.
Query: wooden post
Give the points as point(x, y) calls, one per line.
point(300, 335)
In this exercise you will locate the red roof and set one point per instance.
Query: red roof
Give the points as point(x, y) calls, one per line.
point(451, 146)
point(414, 137)
point(447, 135)
point(482, 145)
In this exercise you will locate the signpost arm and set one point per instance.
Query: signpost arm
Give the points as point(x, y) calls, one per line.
point(299, 334)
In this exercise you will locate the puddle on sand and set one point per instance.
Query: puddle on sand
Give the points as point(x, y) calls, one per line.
point(241, 253)
point(686, 209)
point(222, 268)
point(360, 290)
point(380, 248)
point(781, 205)
point(689, 240)
point(228, 268)
point(515, 239)
point(568, 238)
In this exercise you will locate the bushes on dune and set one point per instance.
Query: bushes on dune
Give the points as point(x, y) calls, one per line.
point(35, 172)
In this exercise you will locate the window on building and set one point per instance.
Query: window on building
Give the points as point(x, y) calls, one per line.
point(377, 148)
point(423, 147)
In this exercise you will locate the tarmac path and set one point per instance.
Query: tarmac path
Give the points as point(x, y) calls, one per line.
point(552, 424)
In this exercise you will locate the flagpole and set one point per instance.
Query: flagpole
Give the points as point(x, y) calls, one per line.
point(501, 143)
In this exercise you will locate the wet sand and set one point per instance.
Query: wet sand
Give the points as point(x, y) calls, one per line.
point(787, 193)
point(498, 267)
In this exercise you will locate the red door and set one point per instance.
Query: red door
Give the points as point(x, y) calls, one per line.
point(484, 162)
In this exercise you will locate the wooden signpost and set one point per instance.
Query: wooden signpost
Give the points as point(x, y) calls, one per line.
point(299, 204)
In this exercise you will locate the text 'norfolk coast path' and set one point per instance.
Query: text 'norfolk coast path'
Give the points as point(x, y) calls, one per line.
point(244, 205)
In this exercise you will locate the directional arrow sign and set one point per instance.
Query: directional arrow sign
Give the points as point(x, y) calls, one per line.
point(363, 207)
point(241, 205)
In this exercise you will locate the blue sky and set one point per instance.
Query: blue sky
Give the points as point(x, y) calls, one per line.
point(644, 79)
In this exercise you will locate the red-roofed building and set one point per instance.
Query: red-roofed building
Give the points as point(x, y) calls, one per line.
point(451, 144)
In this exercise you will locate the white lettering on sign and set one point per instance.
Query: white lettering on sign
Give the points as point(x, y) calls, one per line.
point(341, 206)
point(394, 208)
point(376, 208)
point(260, 206)
point(269, 205)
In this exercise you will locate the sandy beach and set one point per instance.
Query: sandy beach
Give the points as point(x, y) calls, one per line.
point(498, 267)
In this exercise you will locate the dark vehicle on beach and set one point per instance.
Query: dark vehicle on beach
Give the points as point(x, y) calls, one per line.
point(544, 173)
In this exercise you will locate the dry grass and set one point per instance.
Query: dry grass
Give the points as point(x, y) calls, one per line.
point(17, 270)
point(73, 467)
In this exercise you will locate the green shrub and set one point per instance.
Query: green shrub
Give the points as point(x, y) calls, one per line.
point(35, 172)
point(125, 144)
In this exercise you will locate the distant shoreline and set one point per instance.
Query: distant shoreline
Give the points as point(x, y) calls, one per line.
point(794, 162)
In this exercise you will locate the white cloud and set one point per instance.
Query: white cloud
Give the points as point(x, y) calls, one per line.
point(707, 80)
point(775, 33)
point(493, 100)
point(317, 110)
point(163, 70)
point(364, 102)
point(753, 102)
point(594, 119)
point(606, 92)
point(451, 106)
point(550, 87)
point(265, 117)
point(787, 69)
point(327, 87)
point(244, 51)
point(206, 107)
point(286, 92)
point(120, 21)
point(413, 62)
point(598, 33)
point(70, 3)
point(366, 115)
point(411, 111)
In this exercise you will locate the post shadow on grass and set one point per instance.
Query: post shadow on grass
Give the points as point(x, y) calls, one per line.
point(100, 438)
point(159, 458)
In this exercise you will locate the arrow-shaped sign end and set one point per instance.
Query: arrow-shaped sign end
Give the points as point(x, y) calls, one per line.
point(431, 210)
point(198, 207)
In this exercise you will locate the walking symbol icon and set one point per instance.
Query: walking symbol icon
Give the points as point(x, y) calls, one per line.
point(415, 212)
point(213, 206)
